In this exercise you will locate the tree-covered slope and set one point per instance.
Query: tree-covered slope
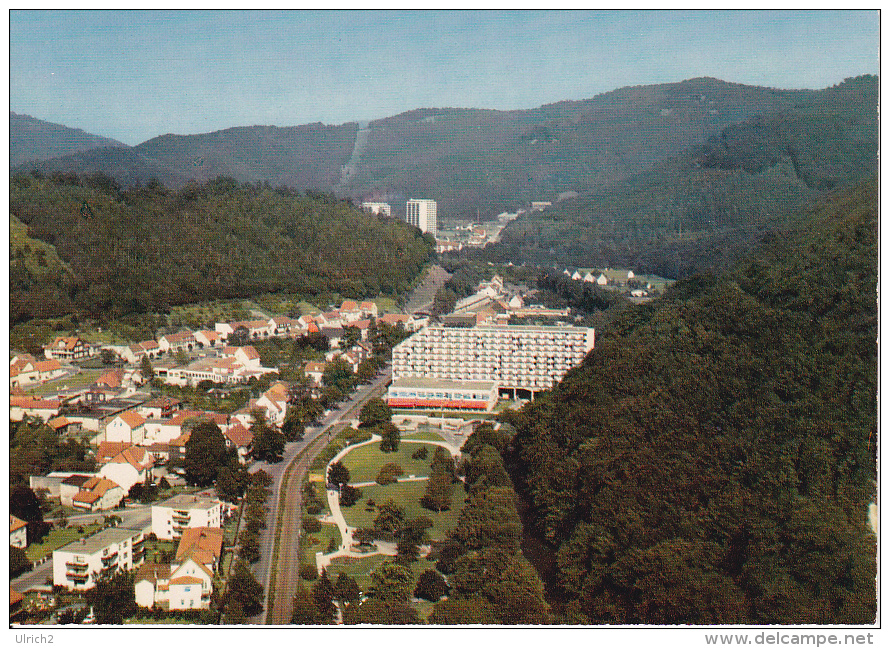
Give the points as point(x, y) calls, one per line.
point(490, 160)
point(700, 210)
point(35, 139)
point(148, 248)
point(713, 459)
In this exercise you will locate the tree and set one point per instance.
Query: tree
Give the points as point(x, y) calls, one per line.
point(390, 437)
point(338, 475)
point(431, 586)
point(205, 454)
point(323, 596)
point(294, 425)
point(108, 356)
point(346, 589)
point(389, 521)
point(338, 374)
point(147, 371)
point(23, 504)
point(389, 473)
point(462, 611)
point(374, 413)
point(240, 336)
point(437, 495)
point(112, 598)
point(349, 495)
point(18, 561)
point(268, 442)
point(391, 582)
point(304, 610)
point(244, 588)
point(231, 481)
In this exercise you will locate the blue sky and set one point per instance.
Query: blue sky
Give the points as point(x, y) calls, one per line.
point(135, 75)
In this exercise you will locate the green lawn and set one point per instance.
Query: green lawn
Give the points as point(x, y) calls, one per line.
point(407, 495)
point(58, 538)
point(423, 435)
point(386, 305)
point(364, 463)
point(361, 568)
point(319, 541)
point(85, 378)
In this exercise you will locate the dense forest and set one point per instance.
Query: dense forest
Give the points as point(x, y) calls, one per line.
point(116, 252)
point(701, 210)
point(713, 458)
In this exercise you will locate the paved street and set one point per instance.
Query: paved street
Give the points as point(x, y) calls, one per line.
point(263, 567)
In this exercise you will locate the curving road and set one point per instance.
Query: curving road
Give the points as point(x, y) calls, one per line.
point(279, 594)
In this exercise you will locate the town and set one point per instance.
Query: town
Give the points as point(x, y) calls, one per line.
point(143, 511)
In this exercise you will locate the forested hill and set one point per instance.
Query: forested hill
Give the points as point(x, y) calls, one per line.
point(466, 159)
point(148, 248)
point(700, 210)
point(713, 459)
point(34, 139)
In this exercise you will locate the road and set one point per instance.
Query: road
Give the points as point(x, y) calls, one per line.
point(138, 517)
point(422, 297)
point(288, 561)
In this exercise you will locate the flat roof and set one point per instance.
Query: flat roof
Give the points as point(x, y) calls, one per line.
point(516, 327)
point(99, 541)
point(186, 501)
point(435, 383)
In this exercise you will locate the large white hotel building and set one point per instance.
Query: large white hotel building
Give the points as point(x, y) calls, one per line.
point(432, 366)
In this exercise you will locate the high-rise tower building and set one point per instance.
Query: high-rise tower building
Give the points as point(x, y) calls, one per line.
point(422, 214)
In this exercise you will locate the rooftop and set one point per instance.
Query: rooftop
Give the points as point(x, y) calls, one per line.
point(99, 541)
point(185, 501)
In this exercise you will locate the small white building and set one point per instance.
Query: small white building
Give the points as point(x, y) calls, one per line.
point(77, 565)
point(98, 494)
point(172, 516)
point(126, 427)
point(130, 466)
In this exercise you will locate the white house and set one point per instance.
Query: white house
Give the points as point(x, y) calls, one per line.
point(77, 565)
point(207, 338)
point(67, 348)
point(21, 406)
point(274, 403)
point(18, 532)
point(184, 340)
point(171, 517)
point(130, 466)
point(98, 494)
point(126, 427)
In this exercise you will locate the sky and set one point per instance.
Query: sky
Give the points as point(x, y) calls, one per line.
point(134, 75)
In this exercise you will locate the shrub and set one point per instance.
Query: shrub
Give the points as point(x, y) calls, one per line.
point(389, 474)
point(349, 495)
point(308, 572)
point(311, 524)
point(431, 586)
point(421, 453)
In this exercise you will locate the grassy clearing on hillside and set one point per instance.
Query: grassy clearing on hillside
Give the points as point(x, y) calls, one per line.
point(83, 379)
point(407, 495)
point(364, 463)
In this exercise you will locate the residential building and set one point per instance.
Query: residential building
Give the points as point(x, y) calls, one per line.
point(18, 532)
point(422, 214)
point(67, 348)
point(377, 208)
point(524, 359)
point(239, 437)
point(172, 516)
point(21, 406)
point(98, 494)
point(182, 341)
point(126, 427)
point(77, 565)
point(130, 466)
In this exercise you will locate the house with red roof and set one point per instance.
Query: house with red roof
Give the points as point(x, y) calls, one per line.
point(98, 494)
point(173, 342)
point(22, 406)
point(67, 348)
point(132, 465)
point(207, 338)
point(241, 438)
point(18, 532)
point(126, 427)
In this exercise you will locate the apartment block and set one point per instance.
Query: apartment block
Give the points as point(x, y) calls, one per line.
point(517, 358)
point(77, 565)
point(422, 214)
point(170, 517)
